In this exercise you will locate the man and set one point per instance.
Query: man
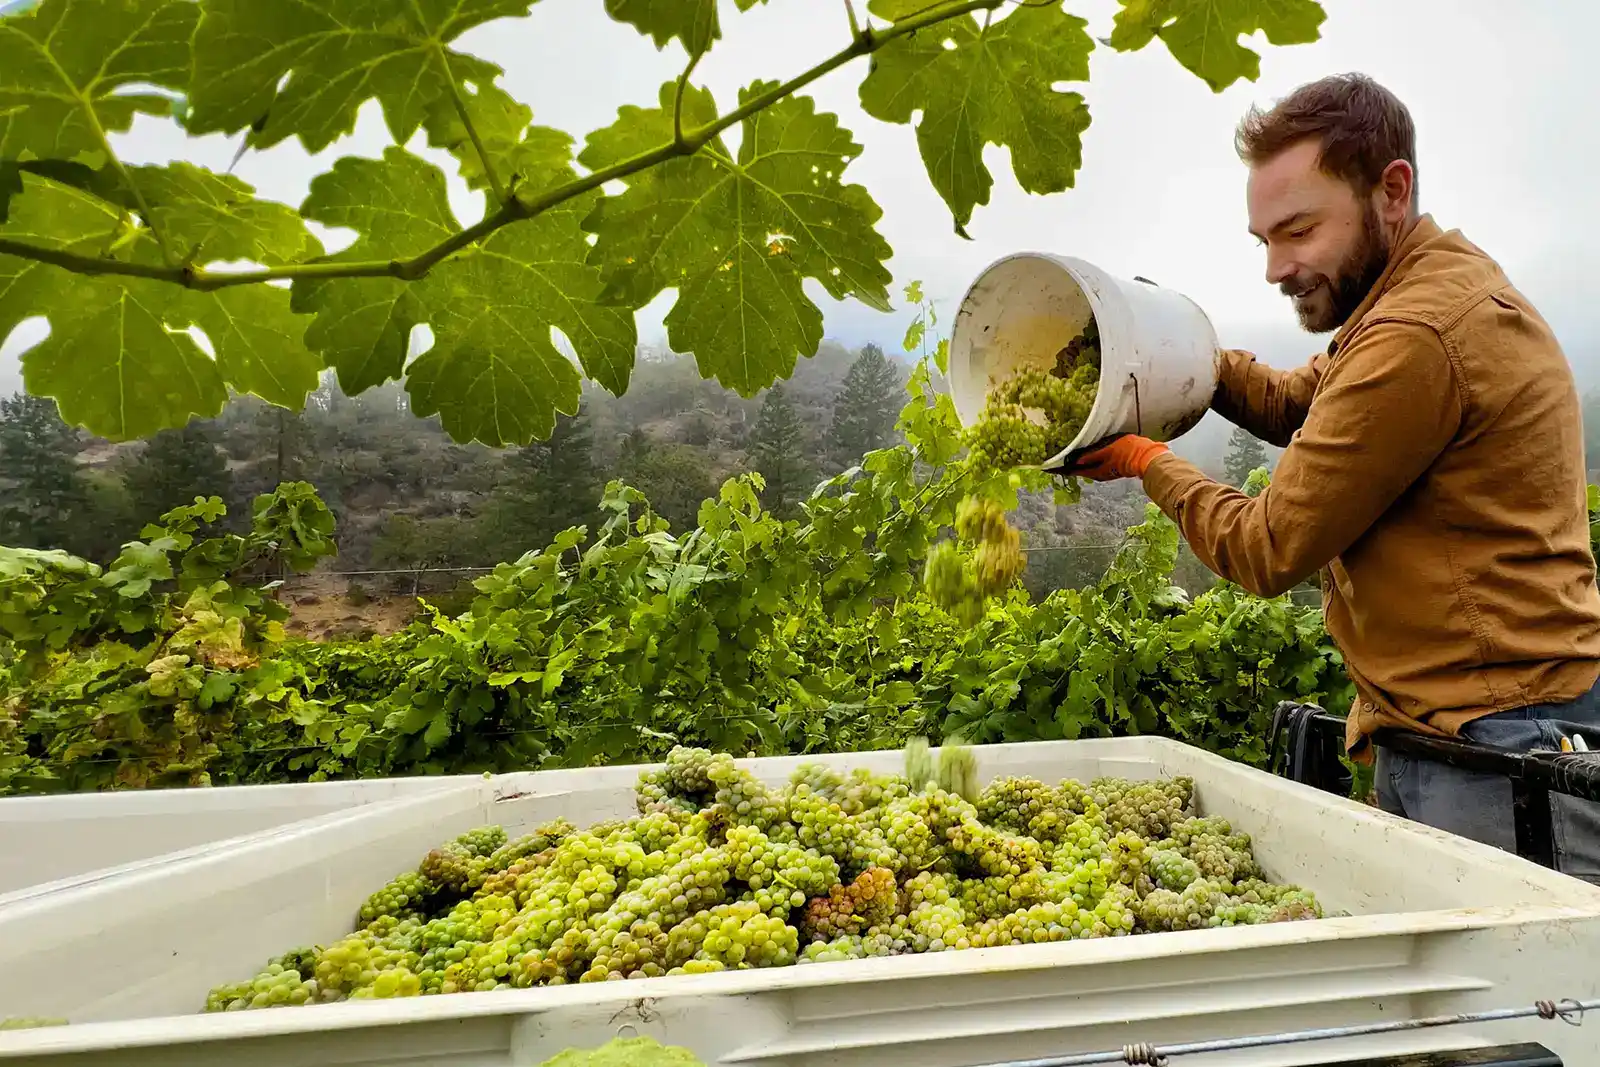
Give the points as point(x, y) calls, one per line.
point(1433, 472)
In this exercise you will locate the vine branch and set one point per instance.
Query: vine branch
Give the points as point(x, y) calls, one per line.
point(127, 180)
point(677, 99)
point(461, 107)
point(512, 210)
point(472, 128)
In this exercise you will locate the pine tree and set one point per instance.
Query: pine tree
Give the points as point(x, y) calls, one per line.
point(546, 487)
point(778, 451)
point(1245, 454)
point(867, 406)
point(175, 467)
point(42, 494)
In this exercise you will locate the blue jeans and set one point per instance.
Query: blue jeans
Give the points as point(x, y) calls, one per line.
point(1478, 806)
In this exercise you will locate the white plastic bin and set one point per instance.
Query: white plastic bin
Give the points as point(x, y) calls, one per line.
point(55, 840)
point(1158, 351)
point(1440, 925)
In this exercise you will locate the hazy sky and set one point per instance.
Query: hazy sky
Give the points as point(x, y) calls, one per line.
point(1508, 149)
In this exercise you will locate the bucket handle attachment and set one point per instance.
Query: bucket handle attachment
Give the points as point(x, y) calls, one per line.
point(1138, 415)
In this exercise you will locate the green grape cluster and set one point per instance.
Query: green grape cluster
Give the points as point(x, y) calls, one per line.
point(721, 871)
point(960, 579)
point(1031, 416)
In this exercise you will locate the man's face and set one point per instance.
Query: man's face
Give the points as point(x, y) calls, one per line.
point(1326, 246)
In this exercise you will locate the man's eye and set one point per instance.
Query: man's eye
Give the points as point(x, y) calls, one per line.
point(1300, 234)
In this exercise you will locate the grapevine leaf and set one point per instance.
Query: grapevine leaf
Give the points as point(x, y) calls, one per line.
point(110, 361)
point(398, 205)
point(525, 157)
point(338, 54)
point(10, 185)
point(694, 22)
point(1203, 35)
point(738, 237)
point(258, 342)
point(114, 366)
point(493, 373)
point(119, 359)
point(216, 217)
point(993, 84)
point(66, 67)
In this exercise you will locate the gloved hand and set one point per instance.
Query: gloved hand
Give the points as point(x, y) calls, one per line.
point(1127, 456)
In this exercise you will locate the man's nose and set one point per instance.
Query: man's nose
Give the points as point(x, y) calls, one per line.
point(1280, 268)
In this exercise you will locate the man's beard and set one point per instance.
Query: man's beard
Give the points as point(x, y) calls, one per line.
point(1356, 276)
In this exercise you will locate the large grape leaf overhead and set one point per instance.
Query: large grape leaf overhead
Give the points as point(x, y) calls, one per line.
point(494, 373)
point(737, 237)
point(1204, 35)
point(119, 359)
point(976, 84)
point(69, 70)
point(338, 54)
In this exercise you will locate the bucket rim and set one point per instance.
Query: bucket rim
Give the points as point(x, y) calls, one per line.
point(1081, 272)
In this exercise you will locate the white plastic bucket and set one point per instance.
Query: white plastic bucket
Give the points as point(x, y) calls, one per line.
point(1158, 350)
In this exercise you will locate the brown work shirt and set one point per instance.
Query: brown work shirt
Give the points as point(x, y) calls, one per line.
point(1434, 472)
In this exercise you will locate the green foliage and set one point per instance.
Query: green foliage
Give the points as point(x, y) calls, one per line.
point(1204, 35)
point(996, 85)
point(679, 477)
point(546, 487)
point(740, 631)
point(154, 279)
point(139, 674)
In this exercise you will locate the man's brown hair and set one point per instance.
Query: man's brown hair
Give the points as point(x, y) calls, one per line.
point(1362, 127)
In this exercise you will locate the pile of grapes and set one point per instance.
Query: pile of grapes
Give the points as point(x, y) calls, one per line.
point(720, 871)
point(1005, 436)
point(987, 557)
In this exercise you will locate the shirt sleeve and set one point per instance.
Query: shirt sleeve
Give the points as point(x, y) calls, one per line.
point(1270, 403)
point(1390, 402)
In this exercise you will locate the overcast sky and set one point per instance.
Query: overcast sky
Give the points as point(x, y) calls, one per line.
point(1502, 96)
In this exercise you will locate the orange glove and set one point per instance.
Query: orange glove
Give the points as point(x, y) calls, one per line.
point(1127, 456)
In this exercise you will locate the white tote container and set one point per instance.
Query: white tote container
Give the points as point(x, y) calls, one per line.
point(47, 842)
point(1439, 925)
point(1158, 351)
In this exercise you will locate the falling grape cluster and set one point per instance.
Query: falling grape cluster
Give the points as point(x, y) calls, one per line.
point(721, 871)
point(1029, 417)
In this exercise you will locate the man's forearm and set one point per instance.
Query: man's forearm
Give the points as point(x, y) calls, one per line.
point(1384, 414)
point(1268, 402)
